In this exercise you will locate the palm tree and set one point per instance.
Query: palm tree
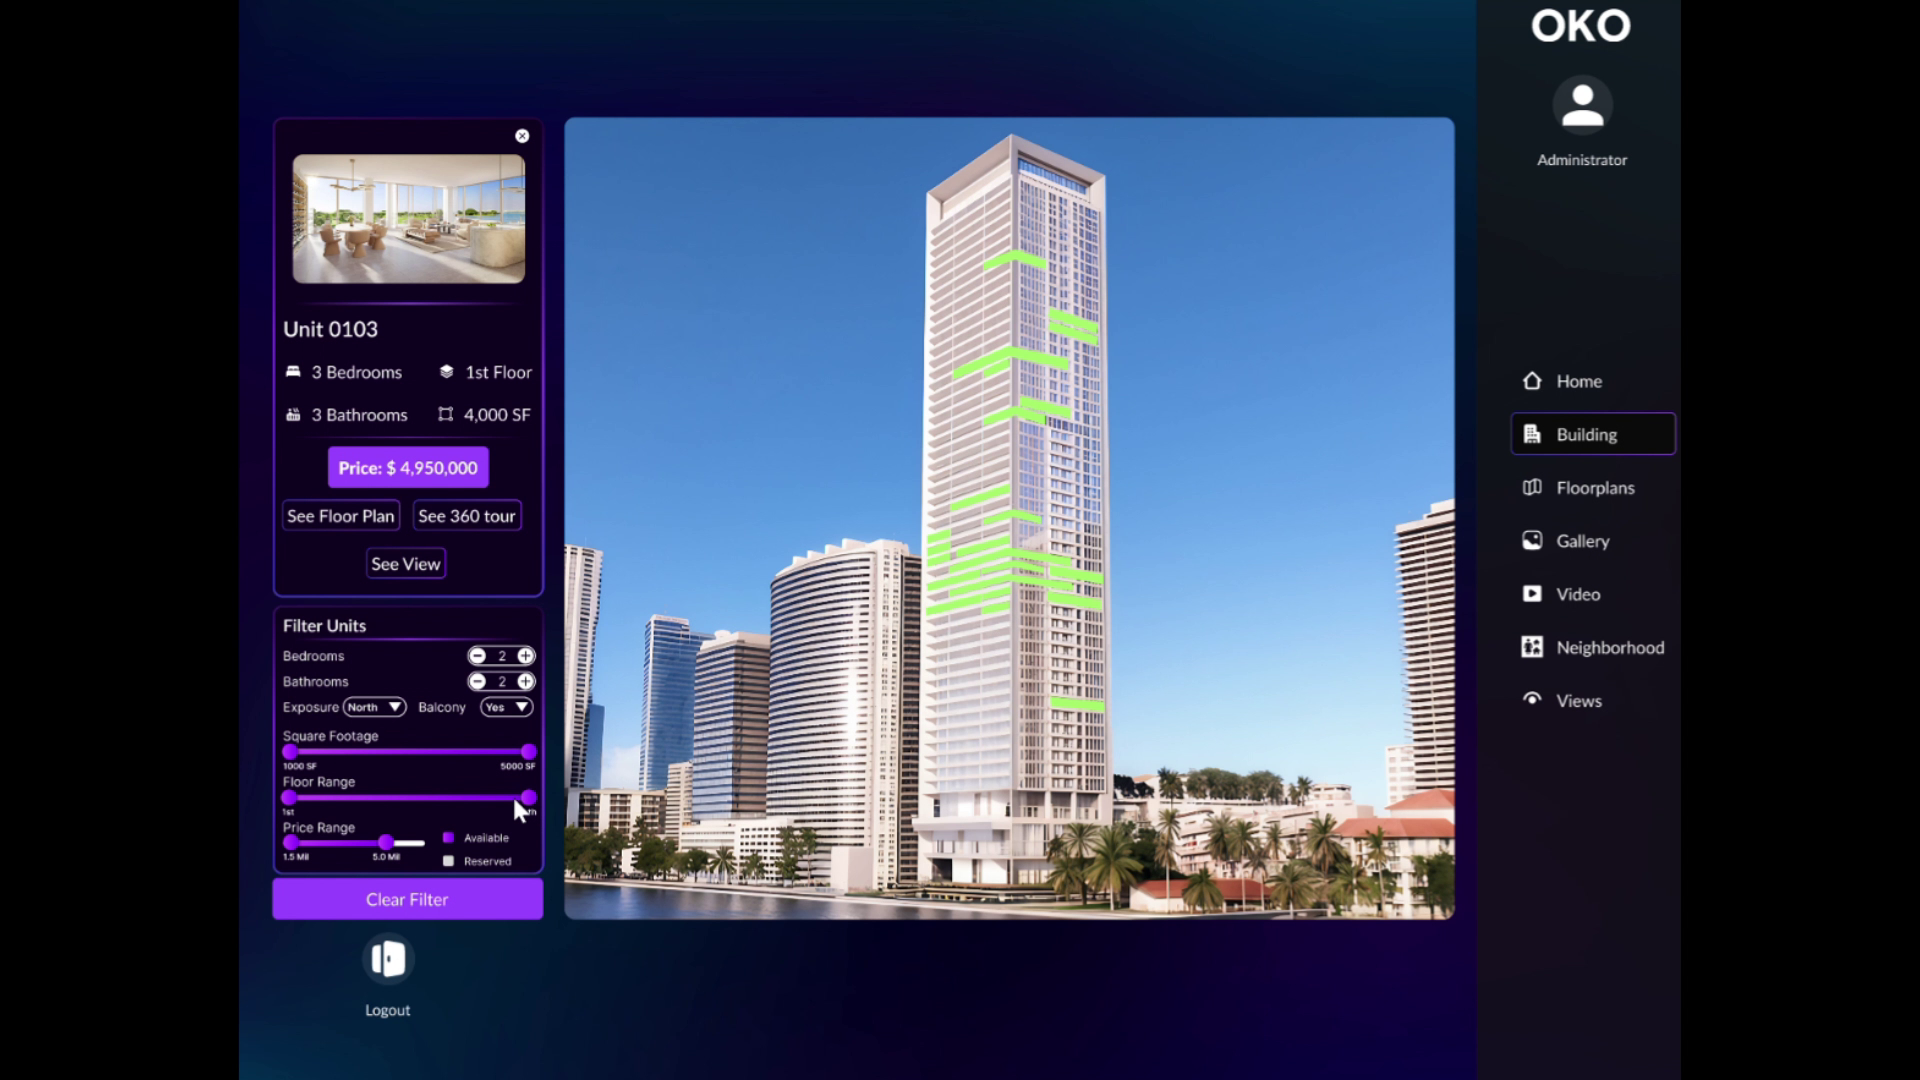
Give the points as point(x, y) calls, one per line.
point(1077, 843)
point(1302, 787)
point(1170, 786)
point(1242, 843)
point(754, 868)
point(1275, 842)
point(1377, 859)
point(1323, 843)
point(1420, 882)
point(723, 863)
point(1440, 881)
point(1167, 844)
point(1257, 866)
point(810, 843)
point(1296, 884)
point(1112, 866)
point(1069, 874)
point(1349, 884)
point(1220, 838)
point(1204, 893)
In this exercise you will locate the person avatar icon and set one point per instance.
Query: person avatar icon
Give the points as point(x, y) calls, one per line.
point(1583, 117)
point(1583, 105)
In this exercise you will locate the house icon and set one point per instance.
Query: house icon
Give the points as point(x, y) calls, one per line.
point(1532, 381)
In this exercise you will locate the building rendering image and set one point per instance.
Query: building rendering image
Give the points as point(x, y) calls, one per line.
point(888, 333)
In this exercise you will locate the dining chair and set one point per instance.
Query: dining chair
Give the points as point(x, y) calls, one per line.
point(333, 242)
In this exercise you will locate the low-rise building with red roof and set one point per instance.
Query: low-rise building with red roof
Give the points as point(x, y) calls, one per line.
point(1160, 895)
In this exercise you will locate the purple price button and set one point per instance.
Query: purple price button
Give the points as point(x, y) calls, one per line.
point(407, 466)
point(406, 898)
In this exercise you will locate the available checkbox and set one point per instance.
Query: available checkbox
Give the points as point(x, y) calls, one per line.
point(446, 860)
point(446, 838)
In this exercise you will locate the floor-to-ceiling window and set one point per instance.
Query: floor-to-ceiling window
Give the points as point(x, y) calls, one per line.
point(333, 201)
point(494, 200)
point(416, 202)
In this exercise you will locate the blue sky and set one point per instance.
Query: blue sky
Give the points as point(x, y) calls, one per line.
point(744, 348)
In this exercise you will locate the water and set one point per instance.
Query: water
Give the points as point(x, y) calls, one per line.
point(518, 217)
point(606, 902)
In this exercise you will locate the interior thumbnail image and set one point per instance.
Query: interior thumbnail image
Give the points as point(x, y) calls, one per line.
point(409, 219)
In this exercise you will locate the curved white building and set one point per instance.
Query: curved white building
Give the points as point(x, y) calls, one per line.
point(1017, 736)
point(843, 700)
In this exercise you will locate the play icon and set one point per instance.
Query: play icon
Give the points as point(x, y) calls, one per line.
point(1533, 594)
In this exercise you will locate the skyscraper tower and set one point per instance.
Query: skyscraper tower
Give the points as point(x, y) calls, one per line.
point(1016, 724)
point(729, 774)
point(596, 731)
point(843, 712)
point(580, 608)
point(1426, 619)
point(666, 722)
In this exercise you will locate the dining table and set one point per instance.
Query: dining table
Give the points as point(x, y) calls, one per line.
point(357, 238)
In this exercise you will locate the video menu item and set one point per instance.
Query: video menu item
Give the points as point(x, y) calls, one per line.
point(408, 741)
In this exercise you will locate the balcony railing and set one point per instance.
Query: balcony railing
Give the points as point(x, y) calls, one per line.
point(969, 847)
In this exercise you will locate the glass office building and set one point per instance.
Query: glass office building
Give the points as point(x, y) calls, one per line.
point(666, 724)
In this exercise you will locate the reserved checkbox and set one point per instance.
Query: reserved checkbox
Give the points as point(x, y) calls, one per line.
point(446, 860)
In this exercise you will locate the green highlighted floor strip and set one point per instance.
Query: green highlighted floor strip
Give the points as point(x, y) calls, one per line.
point(1074, 332)
point(995, 609)
point(1079, 704)
point(1072, 320)
point(934, 538)
point(1090, 602)
point(1071, 574)
point(1010, 412)
point(993, 519)
point(1044, 556)
point(1064, 412)
point(985, 545)
point(988, 495)
point(1006, 355)
point(1014, 256)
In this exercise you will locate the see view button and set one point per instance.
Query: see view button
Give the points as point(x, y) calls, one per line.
point(407, 898)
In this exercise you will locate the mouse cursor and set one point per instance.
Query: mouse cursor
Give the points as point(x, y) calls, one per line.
point(519, 812)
